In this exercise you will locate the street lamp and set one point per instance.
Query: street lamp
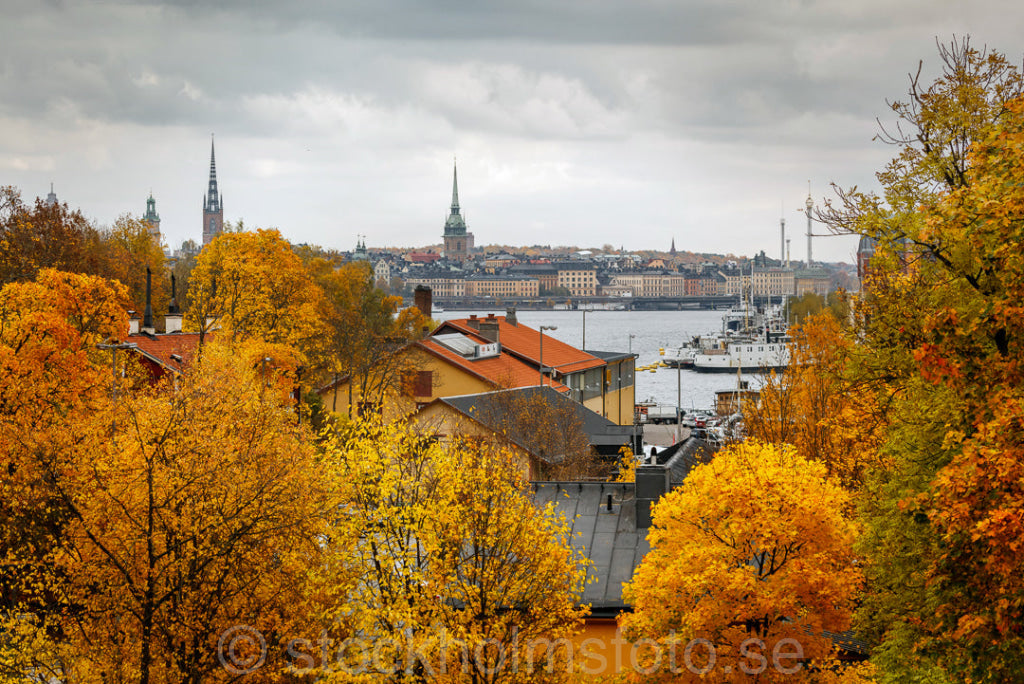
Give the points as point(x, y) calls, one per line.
point(631, 336)
point(584, 346)
point(679, 399)
point(541, 360)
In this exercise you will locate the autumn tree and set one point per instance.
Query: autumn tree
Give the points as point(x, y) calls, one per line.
point(798, 309)
point(129, 249)
point(39, 236)
point(366, 332)
point(940, 343)
point(254, 286)
point(187, 511)
point(814, 406)
point(52, 378)
point(439, 558)
point(753, 555)
point(547, 425)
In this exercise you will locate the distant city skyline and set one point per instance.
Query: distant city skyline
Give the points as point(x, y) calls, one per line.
point(574, 122)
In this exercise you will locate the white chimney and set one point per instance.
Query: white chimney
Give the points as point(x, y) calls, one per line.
point(172, 323)
point(133, 323)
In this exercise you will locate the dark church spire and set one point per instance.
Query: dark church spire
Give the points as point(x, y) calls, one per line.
point(213, 203)
point(212, 197)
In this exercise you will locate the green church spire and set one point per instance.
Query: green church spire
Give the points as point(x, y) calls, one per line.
point(456, 224)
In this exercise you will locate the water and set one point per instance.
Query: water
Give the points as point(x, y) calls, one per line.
point(652, 330)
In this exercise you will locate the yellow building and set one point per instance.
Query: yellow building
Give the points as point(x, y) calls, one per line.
point(533, 422)
point(579, 279)
point(601, 381)
point(475, 355)
point(437, 366)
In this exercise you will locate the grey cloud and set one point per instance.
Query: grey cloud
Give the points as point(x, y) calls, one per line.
point(686, 117)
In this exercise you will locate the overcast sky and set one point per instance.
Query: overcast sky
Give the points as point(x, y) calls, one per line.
point(583, 122)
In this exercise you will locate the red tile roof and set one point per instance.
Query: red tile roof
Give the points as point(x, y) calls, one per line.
point(503, 370)
point(524, 342)
point(159, 348)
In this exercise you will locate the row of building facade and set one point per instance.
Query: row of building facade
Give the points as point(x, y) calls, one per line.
point(585, 280)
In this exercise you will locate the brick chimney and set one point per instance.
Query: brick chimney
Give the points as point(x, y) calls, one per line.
point(652, 482)
point(473, 322)
point(423, 299)
point(489, 328)
point(510, 316)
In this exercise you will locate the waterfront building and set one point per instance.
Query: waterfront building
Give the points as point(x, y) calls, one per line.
point(772, 282)
point(579, 278)
point(650, 283)
point(816, 280)
point(382, 271)
point(546, 274)
point(443, 283)
point(487, 285)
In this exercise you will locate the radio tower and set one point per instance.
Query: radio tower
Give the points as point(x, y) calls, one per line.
point(782, 240)
point(810, 206)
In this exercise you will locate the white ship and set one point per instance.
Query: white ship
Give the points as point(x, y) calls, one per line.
point(750, 342)
point(742, 355)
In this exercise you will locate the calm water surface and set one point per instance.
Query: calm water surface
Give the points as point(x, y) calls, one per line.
point(652, 330)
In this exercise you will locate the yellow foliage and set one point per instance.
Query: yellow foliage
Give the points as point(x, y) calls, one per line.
point(167, 518)
point(627, 466)
point(254, 286)
point(438, 549)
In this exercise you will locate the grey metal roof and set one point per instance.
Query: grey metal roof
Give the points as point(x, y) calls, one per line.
point(684, 456)
point(481, 407)
point(609, 538)
point(611, 356)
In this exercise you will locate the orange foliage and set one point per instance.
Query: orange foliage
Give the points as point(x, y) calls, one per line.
point(753, 553)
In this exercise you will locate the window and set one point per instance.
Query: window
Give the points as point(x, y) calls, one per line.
point(424, 383)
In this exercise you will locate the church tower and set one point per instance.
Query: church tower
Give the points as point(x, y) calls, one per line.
point(152, 218)
point(457, 242)
point(213, 206)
